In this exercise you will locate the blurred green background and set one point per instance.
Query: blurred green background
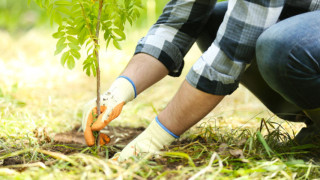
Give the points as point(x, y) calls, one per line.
point(16, 16)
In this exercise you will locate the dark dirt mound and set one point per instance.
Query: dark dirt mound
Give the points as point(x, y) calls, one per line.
point(12, 161)
point(120, 136)
point(73, 141)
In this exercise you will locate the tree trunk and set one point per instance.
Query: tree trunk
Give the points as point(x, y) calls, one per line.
point(96, 44)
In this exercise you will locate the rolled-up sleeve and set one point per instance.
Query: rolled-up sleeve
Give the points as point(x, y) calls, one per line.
point(171, 37)
point(219, 69)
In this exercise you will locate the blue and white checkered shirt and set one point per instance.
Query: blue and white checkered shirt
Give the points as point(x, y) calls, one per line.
point(218, 70)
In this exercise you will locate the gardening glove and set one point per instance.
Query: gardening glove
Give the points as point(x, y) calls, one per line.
point(121, 91)
point(151, 140)
point(91, 136)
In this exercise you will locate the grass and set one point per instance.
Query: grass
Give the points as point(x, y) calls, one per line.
point(39, 98)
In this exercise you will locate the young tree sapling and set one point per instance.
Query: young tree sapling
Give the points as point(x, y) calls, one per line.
point(79, 25)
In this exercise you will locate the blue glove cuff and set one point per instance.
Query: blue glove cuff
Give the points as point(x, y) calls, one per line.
point(134, 87)
point(168, 131)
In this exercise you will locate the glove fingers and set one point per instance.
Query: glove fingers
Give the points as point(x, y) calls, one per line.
point(103, 109)
point(87, 109)
point(100, 123)
point(116, 112)
point(104, 139)
point(88, 134)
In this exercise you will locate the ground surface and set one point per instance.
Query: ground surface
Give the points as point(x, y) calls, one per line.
point(120, 137)
point(41, 104)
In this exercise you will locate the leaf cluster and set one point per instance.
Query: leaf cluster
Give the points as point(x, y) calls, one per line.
point(77, 21)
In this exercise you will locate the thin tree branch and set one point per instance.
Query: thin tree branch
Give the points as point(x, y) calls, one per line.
point(96, 50)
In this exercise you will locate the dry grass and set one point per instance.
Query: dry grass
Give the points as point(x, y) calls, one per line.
point(54, 96)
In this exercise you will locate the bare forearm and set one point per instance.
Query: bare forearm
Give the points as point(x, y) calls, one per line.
point(144, 70)
point(187, 108)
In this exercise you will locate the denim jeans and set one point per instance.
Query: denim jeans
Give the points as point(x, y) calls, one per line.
point(288, 57)
point(281, 86)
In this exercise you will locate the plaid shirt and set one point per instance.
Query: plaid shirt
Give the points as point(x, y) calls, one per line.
point(218, 70)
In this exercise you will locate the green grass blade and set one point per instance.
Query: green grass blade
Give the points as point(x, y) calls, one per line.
point(181, 155)
point(264, 143)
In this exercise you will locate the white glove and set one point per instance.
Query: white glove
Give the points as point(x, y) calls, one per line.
point(151, 140)
point(121, 91)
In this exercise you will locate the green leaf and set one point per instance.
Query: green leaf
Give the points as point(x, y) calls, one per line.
point(116, 44)
point(72, 31)
point(75, 54)
point(88, 72)
point(82, 36)
point(79, 25)
point(76, 8)
point(61, 28)
point(57, 18)
point(60, 45)
point(60, 48)
point(107, 42)
point(63, 10)
point(107, 24)
point(130, 21)
point(89, 49)
point(39, 2)
point(72, 39)
point(120, 33)
point(64, 58)
point(86, 67)
point(136, 13)
point(58, 35)
point(70, 22)
point(61, 41)
point(106, 35)
point(71, 63)
point(62, 2)
point(88, 42)
point(74, 46)
point(93, 68)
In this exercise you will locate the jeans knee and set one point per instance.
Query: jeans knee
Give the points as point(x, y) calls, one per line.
point(267, 53)
point(289, 50)
point(288, 58)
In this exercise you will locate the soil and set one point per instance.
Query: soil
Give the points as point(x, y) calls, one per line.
point(73, 142)
point(120, 136)
point(12, 161)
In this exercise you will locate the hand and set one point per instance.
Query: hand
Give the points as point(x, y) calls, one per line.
point(112, 102)
point(91, 123)
point(113, 107)
point(151, 140)
point(89, 135)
